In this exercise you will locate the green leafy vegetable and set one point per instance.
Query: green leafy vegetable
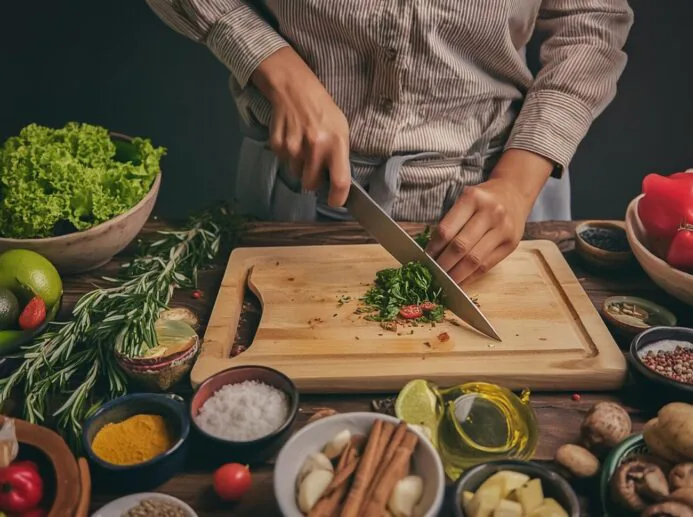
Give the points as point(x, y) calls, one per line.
point(423, 238)
point(55, 181)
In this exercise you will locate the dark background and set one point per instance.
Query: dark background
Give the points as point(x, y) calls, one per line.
point(119, 66)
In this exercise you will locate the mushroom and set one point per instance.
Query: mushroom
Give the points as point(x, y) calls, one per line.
point(605, 426)
point(683, 495)
point(681, 476)
point(668, 509)
point(577, 460)
point(636, 483)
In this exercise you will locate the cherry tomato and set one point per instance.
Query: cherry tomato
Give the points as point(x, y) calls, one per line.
point(428, 306)
point(411, 312)
point(232, 481)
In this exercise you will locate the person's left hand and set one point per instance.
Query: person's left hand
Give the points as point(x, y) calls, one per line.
point(487, 222)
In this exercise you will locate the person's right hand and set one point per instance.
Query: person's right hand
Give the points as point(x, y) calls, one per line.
point(308, 130)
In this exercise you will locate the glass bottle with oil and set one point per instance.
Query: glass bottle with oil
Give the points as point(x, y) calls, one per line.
point(481, 422)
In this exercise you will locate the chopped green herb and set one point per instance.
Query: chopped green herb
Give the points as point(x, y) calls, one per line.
point(423, 238)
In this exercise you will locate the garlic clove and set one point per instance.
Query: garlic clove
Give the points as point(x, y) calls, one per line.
point(312, 487)
point(315, 461)
point(405, 496)
point(336, 446)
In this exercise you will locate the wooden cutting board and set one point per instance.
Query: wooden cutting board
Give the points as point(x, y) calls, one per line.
point(553, 337)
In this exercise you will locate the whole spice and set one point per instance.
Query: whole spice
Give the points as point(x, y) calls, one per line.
point(73, 360)
point(675, 364)
point(134, 440)
point(156, 508)
point(607, 239)
point(21, 487)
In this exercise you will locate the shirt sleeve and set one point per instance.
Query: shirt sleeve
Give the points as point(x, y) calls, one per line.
point(582, 59)
point(237, 35)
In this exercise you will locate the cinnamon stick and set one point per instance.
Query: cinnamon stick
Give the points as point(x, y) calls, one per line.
point(364, 473)
point(333, 495)
point(395, 442)
point(376, 505)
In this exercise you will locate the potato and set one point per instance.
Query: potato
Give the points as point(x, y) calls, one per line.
point(484, 501)
point(530, 495)
point(508, 509)
point(507, 480)
point(674, 426)
point(656, 443)
point(579, 461)
point(549, 508)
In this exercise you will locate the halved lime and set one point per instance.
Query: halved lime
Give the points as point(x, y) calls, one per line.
point(417, 404)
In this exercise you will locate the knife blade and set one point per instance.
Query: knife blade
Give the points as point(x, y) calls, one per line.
point(404, 248)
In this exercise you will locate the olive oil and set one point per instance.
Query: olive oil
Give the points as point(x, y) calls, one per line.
point(482, 422)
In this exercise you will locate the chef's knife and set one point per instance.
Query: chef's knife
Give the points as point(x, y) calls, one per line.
point(405, 249)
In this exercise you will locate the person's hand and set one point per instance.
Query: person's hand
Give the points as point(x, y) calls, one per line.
point(487, 222)
point(308, 130)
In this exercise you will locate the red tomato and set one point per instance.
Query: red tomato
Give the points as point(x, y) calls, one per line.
point(428, 306)
point(33, 314)
point(232, 481)
point(411, 312)
point(680, 253)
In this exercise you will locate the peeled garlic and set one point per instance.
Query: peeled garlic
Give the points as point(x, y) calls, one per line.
point(405, 496)
point(316, 461)
point(335, 446)
point(312, 487)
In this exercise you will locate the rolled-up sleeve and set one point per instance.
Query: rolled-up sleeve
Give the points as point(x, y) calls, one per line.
point(582, 59)
point(237, 35)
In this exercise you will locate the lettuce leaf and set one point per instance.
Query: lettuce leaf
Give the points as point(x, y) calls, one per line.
point(55, 181)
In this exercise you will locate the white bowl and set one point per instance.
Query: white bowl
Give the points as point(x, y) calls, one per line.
point(672, 280)
point(313, 437)
point(118, 507)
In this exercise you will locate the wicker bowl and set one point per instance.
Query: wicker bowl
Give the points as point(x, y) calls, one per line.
point(89, 249)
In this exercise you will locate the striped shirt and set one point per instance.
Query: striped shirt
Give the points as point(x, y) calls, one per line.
point(448, 76)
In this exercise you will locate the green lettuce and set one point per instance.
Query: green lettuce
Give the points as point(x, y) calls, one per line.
point(57, 181)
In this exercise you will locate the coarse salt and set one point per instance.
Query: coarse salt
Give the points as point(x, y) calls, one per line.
point(244, 411)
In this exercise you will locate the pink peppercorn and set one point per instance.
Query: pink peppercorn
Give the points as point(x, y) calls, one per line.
point(576, 397)
point(197, 294)
point(676, 364)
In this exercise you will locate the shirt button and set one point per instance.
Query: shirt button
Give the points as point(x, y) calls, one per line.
point(391, 53)
point(386, 104)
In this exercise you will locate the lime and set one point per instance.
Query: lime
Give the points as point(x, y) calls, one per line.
point(417, 404)
point(9, 309)
point(10, 341)
point(28, 274)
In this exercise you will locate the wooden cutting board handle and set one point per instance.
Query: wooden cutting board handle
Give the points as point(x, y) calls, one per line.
point(85, 489)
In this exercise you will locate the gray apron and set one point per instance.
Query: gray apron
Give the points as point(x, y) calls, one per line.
point(261, 193)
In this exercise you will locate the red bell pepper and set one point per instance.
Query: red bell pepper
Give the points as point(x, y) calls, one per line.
point(680, 253)
point(21, 487)
point(666, 205)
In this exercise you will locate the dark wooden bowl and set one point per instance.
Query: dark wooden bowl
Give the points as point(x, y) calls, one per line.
point(596, 256)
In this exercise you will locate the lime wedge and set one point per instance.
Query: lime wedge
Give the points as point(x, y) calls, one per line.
point(417, 404)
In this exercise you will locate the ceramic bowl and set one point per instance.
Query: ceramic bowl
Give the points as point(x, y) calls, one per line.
point(627, 326)
point(68, 486)
point(118, 507)
point(312, 438)
point(152, 473)
point(89, 249)
point(652, 385)
point(214, 450)
point(597, 256)
point(673, 281)
point(553, 484)
point(632, 446)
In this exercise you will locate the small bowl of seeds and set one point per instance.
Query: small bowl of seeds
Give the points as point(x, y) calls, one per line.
point(628, 316)
point(661, 364)
point(146, 504)
point(603, 244)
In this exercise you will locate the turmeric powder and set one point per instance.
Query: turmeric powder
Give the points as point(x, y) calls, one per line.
point(134, 440)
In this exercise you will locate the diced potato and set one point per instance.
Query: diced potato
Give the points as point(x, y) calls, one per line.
point(483, 503)
point(508, 508)
point(507, 480)
point(530, 495)
point(549, 508)
point(467, 497)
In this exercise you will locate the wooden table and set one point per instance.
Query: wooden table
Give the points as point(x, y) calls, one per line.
point(559, 415)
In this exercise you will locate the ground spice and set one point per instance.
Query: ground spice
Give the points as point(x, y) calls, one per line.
point(675, 364)
point(134, 440)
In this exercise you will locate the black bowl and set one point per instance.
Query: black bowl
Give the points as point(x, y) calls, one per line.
point(213, 450)
point(152, 473)
point(553, 484)
point(654, 388)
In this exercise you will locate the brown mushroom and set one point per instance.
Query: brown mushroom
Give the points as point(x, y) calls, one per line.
point(668, 509)
point(683, 495)
point(605, 426)
point(681, 476)
point(637, 483)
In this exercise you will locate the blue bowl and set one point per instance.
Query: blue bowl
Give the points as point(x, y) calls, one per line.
point(150, 474)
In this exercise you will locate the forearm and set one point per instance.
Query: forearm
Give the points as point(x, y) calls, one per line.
point(526, 171)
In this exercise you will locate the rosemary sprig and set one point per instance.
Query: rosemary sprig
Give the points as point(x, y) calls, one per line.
point(75, 361)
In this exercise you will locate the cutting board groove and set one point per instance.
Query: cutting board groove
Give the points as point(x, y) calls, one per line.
point(553, 337)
